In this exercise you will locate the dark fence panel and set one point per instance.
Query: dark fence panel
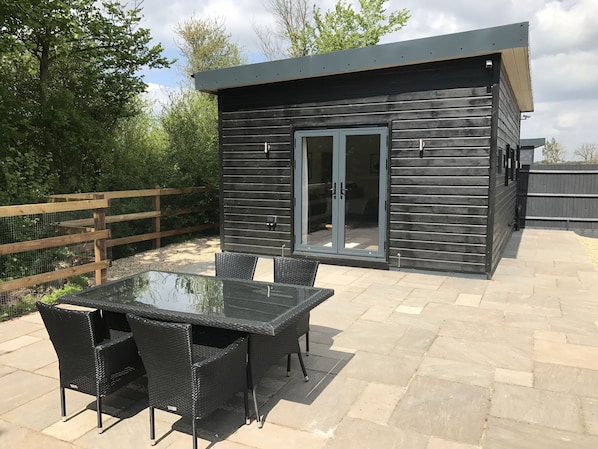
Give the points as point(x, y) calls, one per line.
point(558, 196)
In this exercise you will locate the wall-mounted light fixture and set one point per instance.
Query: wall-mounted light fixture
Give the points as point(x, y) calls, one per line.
point(271, 222)
point(267, 149)
point(488, 63)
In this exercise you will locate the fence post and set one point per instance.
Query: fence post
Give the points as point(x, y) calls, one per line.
point(156, 220)
point(100, 252)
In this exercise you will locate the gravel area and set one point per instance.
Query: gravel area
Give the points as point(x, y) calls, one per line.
point(169, 258)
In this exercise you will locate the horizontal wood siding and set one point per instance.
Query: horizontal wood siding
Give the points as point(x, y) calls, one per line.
point(439, 202)
point(437, 205)
point(505, 196)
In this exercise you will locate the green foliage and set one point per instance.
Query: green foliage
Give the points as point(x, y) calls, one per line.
point(206, 45)
point(69, 74)
point(343, 28)
point(553, 152)
point(136, 159)
point(297, 33)
point(24, 177)
point(27, 304)
point(191, 123)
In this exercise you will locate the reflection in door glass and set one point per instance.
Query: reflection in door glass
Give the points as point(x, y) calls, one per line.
point(361, 191)
point(316, 207)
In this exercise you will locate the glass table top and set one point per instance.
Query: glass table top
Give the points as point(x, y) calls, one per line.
point(208, 300)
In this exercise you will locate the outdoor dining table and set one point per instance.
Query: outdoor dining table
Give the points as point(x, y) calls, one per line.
point(267, 311)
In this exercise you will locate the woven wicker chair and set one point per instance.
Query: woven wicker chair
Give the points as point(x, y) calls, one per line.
point(235, 265)
point(297, 272)
point(87, 362)
point(190, 379)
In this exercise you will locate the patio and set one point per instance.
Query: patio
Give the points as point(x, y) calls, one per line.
point(398, 360)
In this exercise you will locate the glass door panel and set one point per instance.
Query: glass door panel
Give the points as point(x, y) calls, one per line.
point(361, 192)
point(317, 191)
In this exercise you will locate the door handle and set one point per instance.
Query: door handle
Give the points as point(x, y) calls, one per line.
point(333, 190)
point(344, 191)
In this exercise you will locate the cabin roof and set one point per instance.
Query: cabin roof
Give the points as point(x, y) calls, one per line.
point(511, 41)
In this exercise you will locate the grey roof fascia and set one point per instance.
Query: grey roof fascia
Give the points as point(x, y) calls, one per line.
point(437, 48)
point(533, 142)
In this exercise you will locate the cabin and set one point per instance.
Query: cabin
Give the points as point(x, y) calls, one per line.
point(400, 156)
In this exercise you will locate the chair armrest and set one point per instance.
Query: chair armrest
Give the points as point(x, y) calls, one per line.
point(220, 376)
point(118, 362)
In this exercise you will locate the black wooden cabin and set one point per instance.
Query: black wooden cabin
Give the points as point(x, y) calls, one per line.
point(396, 156)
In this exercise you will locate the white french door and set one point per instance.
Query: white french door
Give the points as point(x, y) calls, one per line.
point(340, 191)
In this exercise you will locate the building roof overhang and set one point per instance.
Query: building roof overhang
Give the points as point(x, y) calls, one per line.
point(511, 41)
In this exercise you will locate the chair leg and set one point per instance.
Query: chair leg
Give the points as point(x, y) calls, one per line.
point(152, 427)
point(99, 410)
point(62, 404)
point(302, 366)
point(307, 344)
point(288, 365)
point(246, 403)
point(194, 426)
point(260, 423)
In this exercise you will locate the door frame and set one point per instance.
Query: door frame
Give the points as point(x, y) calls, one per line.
point(338, 250)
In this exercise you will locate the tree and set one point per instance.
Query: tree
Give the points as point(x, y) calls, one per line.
point(191, 119)
point(191, 123)
point(287, 38)
point(298, 33)
point(206, 45)
point(76, 66)
point(588, 153)
point(344, 28)
point(553, 152)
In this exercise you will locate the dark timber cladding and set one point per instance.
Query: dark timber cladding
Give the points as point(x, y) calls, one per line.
point(449, 208)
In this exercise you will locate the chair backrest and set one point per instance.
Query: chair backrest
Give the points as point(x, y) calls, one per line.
point(288, 270)
point(165, 349)
point(235, 265)
point(74, 334)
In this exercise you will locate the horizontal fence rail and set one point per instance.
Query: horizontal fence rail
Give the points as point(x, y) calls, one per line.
point(69, 235)
point(558, 196)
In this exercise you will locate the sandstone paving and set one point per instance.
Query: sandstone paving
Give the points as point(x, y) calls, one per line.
point(566, 379)
point(399, 359)
point(511, 434)
point(545, 408)
point(354, 433)
point(442, 408)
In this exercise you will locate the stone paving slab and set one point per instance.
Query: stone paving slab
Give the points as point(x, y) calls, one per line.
point(399, 359)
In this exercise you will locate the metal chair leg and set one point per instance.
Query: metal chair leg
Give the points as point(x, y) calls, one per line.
point(152, 426)
point(62, 404)
point(302, 366)
point(307, 344)
point(194, 425)
point(288, 365)
point(246, 403)
point(99, 410)
point(260, 423)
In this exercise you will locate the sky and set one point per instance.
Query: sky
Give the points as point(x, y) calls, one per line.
point(563, 49)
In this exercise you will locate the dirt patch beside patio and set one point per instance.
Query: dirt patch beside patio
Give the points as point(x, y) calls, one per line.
point(168, 258)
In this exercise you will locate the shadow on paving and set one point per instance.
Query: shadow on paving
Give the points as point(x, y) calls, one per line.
point(273, 387)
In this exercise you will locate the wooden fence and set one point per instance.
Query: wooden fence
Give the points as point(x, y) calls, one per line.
point(558, 196)
point(94, 230)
